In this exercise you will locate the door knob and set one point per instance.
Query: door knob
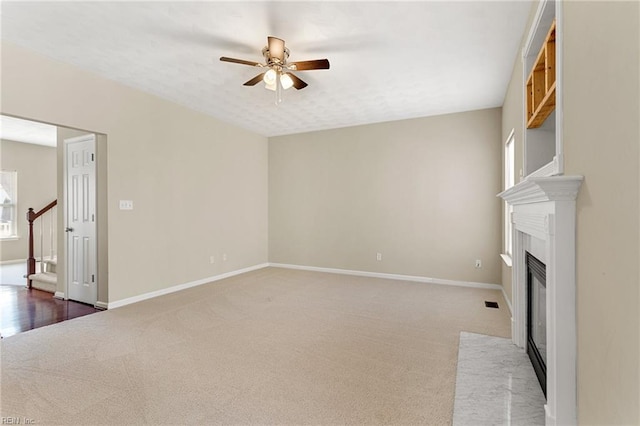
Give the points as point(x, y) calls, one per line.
point(68, 229)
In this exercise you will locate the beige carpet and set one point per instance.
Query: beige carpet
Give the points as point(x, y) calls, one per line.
point(273, 346)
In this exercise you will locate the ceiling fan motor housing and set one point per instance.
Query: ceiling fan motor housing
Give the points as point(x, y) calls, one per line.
point(272, 60)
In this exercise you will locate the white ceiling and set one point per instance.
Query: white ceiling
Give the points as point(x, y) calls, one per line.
point(15, 129)
point(389, 60)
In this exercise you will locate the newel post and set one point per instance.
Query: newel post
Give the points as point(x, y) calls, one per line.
point(31, 261)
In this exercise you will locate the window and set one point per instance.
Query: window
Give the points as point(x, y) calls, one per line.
point(9, 204)
point(509, 181)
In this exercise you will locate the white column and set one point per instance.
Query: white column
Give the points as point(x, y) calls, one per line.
point(519, 290)
point(561, 317)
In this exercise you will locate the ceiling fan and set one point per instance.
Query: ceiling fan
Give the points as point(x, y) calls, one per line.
point(279, 75)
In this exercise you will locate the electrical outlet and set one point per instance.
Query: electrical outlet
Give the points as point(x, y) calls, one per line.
point(379, 257)
point(212, 259)
point(224, 257)
point(126, 205)
point(478, 263)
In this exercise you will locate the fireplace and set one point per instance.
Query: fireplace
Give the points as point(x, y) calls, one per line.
point(537, 318)
point(544, 223)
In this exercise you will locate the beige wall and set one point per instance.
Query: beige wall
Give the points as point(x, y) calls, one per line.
point(36, 167)
point(199, 186)
point(512, 119)
point(422, 192)
point(601, 136)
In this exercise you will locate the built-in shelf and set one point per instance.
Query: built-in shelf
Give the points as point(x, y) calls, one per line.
point(542, 93)
point(541, 84)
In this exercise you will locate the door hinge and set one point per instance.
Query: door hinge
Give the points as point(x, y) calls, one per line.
point(93, 278)
point(92, 157)
point(93, 218)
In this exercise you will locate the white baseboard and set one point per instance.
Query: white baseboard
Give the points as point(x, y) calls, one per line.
point(390, 276)
point(506, 299)
point(184, 286)
point(98, 305)
point(173, 289)
point(11, 262)
point(549, 418)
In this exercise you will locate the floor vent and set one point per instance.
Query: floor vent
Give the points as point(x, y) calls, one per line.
point(491, 304)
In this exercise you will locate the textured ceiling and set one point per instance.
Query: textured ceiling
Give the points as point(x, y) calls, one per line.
point(15, 129)
point(389, 60)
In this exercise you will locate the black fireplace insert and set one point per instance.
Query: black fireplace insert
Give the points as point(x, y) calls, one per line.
point(537, 317)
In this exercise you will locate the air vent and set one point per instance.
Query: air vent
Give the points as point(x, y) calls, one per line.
point(491, 304)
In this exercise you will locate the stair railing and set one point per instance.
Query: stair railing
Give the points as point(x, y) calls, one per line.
point(31, 217)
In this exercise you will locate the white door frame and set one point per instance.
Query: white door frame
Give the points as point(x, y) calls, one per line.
point(65, 209)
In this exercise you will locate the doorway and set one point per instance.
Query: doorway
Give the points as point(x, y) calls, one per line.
point(92, 269)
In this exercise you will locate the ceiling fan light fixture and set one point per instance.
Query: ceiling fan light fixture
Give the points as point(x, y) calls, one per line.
point(286, 81)
point(270, 78)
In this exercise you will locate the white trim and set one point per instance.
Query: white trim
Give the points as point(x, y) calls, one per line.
point(101, 305)
point(11, 238)
point(509, 171)
point(64, 209)
point(552, 168)
point(512, 134)
point(535, 25)
point(11, 262)
point(506, 299)
point(549, 418)
point(173, 289)
point(518, 291)
point(59, 295)
point(540, 189)
point(506, 258)
point(390, 276)
point(558, 160)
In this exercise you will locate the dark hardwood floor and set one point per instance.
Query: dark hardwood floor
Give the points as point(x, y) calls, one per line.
point(23, 309)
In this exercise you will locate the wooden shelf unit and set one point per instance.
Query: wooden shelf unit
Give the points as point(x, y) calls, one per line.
point(541, 84)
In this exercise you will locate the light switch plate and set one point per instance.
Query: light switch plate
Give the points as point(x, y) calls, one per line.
point(126, 205)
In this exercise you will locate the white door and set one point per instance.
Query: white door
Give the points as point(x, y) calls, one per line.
point(82, 282)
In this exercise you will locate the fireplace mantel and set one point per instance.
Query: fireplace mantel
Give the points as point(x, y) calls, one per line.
point(541, 189)
point(544, 214)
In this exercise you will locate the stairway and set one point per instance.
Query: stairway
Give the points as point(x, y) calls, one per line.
point(46, 280)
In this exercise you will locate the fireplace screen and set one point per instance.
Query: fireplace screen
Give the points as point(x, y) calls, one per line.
point(537, 318)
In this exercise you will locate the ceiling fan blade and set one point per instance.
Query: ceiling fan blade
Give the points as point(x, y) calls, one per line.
point(276, 48)
point(297, 83)
point(240, 61)
point(255, 80)
point(317, 64)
